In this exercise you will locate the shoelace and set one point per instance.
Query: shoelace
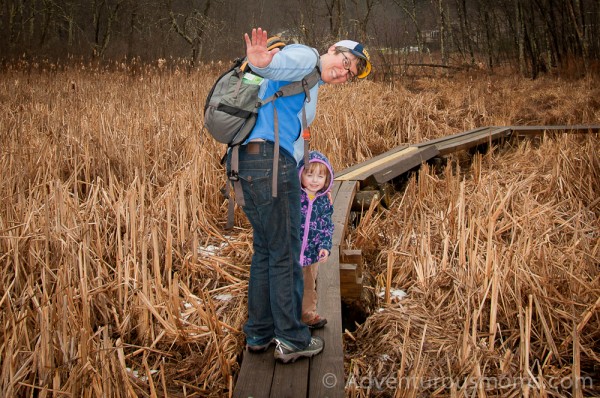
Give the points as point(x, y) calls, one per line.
point(279, 346)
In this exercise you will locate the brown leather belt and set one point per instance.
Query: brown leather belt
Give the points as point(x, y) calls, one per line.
point(253, 148)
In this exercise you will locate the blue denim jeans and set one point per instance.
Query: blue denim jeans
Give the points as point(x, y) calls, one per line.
point(276, 283)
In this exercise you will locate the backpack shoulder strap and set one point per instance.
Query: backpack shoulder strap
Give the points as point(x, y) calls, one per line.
point(301, 86)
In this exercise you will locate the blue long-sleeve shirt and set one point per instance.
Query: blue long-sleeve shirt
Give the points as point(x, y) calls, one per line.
point(292, 63)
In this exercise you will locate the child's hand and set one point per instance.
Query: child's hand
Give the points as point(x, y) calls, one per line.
point(323, 255)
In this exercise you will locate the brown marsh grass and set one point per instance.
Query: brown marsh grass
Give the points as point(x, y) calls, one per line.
point(118, 279)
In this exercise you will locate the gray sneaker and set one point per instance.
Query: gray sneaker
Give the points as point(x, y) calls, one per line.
point(259, 348)
point(286, 353)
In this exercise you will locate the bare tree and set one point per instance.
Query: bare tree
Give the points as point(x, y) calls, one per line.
point(336, 13)
point(191, 25)
point(309, 21)
point(104, 14)
point(443, 28)
point(577, 21)
point(466, 44)
point(410, 10)
point(486, 32)
point(363, 12)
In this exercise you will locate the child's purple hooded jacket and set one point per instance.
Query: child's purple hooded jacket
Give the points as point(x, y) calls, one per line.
point(317, 233)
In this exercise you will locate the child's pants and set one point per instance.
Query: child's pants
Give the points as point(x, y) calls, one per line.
point(309, 301)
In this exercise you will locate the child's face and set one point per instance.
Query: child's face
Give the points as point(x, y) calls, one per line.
point(313, 181)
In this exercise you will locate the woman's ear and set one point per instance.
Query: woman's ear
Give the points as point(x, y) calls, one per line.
point(331, 50)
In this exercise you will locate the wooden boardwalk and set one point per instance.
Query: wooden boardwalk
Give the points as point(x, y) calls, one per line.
point(341, 277)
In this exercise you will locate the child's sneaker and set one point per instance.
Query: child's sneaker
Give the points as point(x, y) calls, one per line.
point(286, 353)
point(317, 323)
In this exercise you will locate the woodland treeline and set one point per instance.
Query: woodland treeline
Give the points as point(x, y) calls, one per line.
point(532, 36)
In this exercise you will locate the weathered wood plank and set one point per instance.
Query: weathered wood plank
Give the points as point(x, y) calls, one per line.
point(341, 209)
point(463, 143)
point(535, 130)
point(340, 174)
point(350, 281)
point(394, 169)
point(353, 256)
point(327, 369)
point(385, 169)
point(458, 135)
point(351, 269)
point(290, 380)
point(369, 168)
point(335, 189)
point(256, 375)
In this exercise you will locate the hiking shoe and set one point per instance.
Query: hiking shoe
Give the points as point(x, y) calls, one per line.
point(317, 323)
point(259, 348)
point(286, 353)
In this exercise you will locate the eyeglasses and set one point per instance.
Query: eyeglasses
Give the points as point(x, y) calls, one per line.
point(346, 63)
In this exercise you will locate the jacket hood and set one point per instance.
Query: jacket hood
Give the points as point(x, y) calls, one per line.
point(318, 157)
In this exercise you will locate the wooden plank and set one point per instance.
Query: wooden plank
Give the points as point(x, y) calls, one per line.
point(458, 135)
point(374, 159)
point(466, 142)
point(594, 128)
point(348, 272)
point(350, 281)
point(353, 256)
point(290, 380)
point(535, 130)
point(327, 369)
point(351, 291)
point(335, 189)
point(391, 171)
point(387, 168)
point(341, 210)
point(256, 375)
point(367, 169)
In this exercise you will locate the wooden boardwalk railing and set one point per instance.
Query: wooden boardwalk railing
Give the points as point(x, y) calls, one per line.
point(323, 375)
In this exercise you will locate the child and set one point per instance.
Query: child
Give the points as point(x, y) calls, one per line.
point(316, 230)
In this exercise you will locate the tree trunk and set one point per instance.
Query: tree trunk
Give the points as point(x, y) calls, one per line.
point(520, 24)
point(443, 28)
point(465, 39)
point(336, 14)
point(411, 12)
point(363, 17)
point(549, 15)
point(576, 18)
point(131, 30)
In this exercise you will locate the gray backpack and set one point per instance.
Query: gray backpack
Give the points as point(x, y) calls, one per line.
point(231, 109)
point(232, 105)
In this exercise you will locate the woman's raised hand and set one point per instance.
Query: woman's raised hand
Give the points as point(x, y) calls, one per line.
point(256, 48)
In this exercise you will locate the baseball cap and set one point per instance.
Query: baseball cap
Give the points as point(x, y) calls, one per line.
point(359, 51)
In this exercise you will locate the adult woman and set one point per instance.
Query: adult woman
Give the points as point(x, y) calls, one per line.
point(276, 285)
